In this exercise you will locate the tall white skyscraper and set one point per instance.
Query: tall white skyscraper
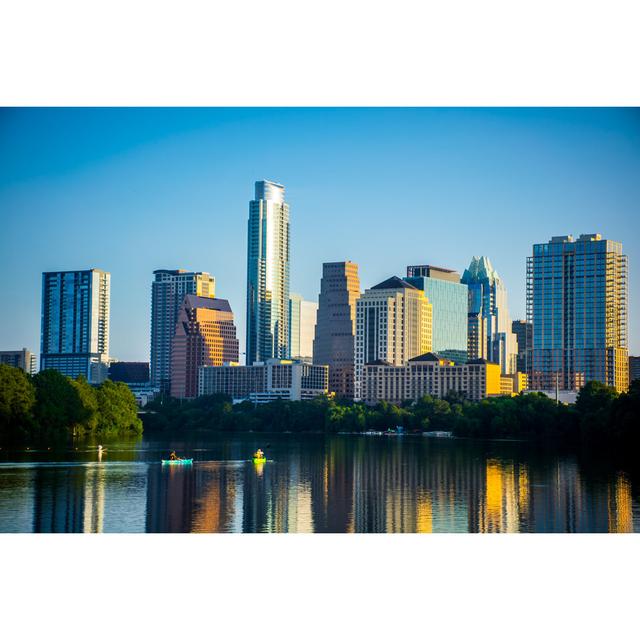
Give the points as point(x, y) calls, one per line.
point(268, 274)
point(169, 288)
point(302, 326)
point(75, 323)
point(489, 317)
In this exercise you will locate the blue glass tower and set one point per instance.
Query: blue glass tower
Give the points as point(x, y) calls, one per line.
point(449, 299)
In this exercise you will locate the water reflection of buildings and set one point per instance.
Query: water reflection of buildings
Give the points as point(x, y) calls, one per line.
point(58, 501)
point(94, 488)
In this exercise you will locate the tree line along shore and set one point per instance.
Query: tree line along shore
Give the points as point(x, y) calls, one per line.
point(50, 405)
point(601, 414)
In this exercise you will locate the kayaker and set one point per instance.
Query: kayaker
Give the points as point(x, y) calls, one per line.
point(259, 454)
point(173, 456)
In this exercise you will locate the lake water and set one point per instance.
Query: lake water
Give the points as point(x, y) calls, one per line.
point(311, 483)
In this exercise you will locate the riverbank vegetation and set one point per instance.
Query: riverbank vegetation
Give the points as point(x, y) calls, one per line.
point(600, 414)
point(50, 405)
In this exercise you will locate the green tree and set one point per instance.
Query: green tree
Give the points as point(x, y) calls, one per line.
point(117, 409)
point(59, 407)
point(17, 400)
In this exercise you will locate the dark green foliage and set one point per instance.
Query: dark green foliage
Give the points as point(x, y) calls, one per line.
point(527, 416)
point(17, 397)
point(51, 405)
point(117, 409)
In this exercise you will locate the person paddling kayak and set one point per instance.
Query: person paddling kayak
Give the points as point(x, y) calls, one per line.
point(173, 456)
point(259, 454)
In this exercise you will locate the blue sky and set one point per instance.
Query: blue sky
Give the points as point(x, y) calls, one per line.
point(133, 190)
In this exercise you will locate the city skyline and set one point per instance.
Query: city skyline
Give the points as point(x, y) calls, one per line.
point(45, 196)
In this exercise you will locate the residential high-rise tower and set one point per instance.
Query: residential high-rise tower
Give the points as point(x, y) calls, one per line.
point(75, 323)
point(268, 274)
point(333, 344)
point(168, 290)
point(577, 304)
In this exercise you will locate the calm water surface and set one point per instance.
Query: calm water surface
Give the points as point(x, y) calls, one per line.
point(315, 484)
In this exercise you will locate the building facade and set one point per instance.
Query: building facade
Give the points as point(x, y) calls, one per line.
point(168, 290)
point(268, 274)
point(129, 372)
point(634, 368)
point(393, 324)
point(302, 326)
point(333, 344)
point(266, 381)
point(75, 323)
point(205, 335)
point(524, 335)
point(429, 374)
point(22, 359)
point(449, 299)
point(577, 303)
point(489, 311)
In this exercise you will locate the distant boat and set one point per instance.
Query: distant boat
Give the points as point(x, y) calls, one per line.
point(438, 434)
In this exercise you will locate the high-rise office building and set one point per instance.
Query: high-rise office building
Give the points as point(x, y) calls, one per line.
point(268, 274)
point(205, 335)
point(168, 290)
point(22, 359)
point(449, 299)
point(634, 368)
point(524, 334)
point(577, 304)
point(302, 326)
point(75, 323)
point(333, 344)
point(393, 325)
point(489, 315)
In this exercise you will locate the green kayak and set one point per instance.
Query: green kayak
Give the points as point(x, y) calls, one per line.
point(181, 461)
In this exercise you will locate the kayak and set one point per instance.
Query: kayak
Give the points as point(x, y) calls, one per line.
point(259, 460)
point(182, 461)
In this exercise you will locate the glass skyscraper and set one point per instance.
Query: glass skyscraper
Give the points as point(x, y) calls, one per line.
point(268, 274)
point(75, 323)
point(449, 299)
point(577, 304)
point(489, 313)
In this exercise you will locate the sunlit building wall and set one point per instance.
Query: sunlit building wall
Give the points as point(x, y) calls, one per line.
point(335, 330)
point(393, 325)
point(168, 290)
point(302, 326)
point(430, 375)
point(75, 323)
point(488, 303)
point(268, 274)
point(265, 381)
point(577, 303)
point(205, 335)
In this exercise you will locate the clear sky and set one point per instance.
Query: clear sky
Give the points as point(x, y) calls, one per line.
point(133, 190)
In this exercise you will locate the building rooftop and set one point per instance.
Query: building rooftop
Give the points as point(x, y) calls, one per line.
point(200, 302)
point(394, 283)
